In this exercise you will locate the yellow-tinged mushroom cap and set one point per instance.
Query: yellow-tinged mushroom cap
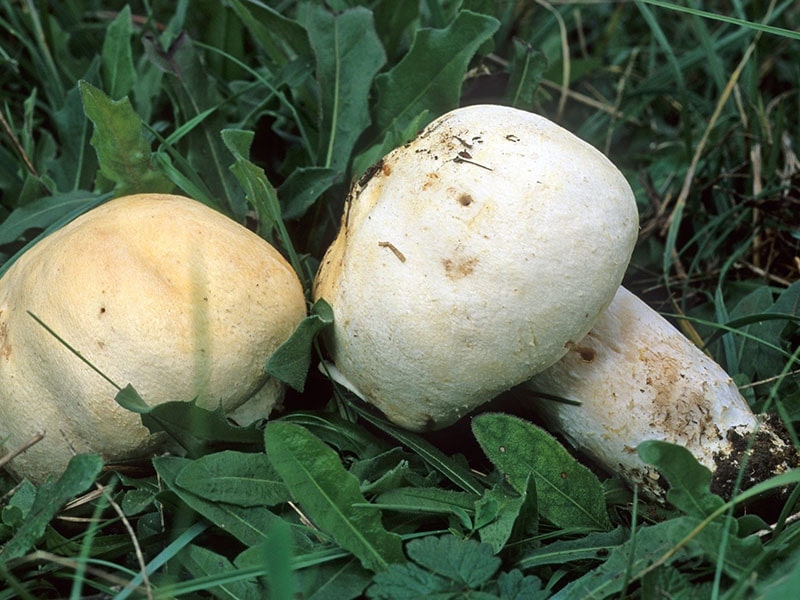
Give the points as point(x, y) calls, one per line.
point(158, 291)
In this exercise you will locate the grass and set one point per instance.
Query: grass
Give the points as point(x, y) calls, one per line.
point(266, 111)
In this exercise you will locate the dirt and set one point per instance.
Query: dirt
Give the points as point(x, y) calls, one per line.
point(770, 453)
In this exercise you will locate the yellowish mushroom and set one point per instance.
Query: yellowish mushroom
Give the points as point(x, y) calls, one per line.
point(157, 291)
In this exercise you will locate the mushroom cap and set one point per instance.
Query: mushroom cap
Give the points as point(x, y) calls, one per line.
point(470, 259)
point(154, 290)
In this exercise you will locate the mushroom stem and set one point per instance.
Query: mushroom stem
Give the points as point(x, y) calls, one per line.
point(638, 378)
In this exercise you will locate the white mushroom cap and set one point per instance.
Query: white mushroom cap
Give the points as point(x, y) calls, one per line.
point(157, 291)
point(470, 259)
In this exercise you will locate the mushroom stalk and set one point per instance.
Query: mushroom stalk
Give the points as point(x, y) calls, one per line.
point(638, 378)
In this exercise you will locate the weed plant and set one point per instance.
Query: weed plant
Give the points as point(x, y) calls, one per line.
point(266, 111)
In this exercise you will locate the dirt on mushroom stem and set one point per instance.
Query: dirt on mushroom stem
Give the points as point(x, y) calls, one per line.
point(767, 452)
point(637, 378)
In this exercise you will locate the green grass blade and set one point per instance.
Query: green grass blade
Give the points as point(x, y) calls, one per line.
point(434, 457)
point(162, 557)
point(755, 25)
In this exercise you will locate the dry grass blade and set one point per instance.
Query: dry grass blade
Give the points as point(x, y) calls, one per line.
point(18, 146)
point(730, 86)
point(9, 456)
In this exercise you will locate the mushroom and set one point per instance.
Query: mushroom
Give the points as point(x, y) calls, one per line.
point(154, 290)
point(638, 378)
point(470, 259)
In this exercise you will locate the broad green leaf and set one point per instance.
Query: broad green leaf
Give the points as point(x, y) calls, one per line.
point(328, 574)
point(130, 399)
point(259, 191)
point(240, 478)
point(526, 69)
point(26, 134)
point(278, 558)
point(628, 559)
point(496, 514)
point(446, 567)
point(689, 481)
point(180, 542)
point(122, 149)
point(392, 478)
point(301, 189)
point(80, 473)
point(394, 22)
point(763, 319)
point(11, 176)
point(409, 582)
point(782, 583)
point(671, 581)
point(592, 547)
point(196, 429)
point(250, 525)
point(326, 493)
point(202, 562)
point(290, 362)
point(16, 511)
point(388, 470)
point(429, 76)
point(44, 212)
point(341, 434)
point(343, 579)
point(516, 586)
point(138, 499)
point(75, 167)
point(569, 495)
point(526, 527)
point(348, 54)
point(119, 74)
point(281, 38)
point(434, 501)
point(465, 561)
point(72, 546)
point(788, 301)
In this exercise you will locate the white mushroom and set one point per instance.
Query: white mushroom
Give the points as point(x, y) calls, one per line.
point(157, 291)
point(472, 258)
point(638, 378)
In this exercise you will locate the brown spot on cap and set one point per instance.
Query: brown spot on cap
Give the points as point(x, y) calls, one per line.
point(459, 268)
point(5, 347)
